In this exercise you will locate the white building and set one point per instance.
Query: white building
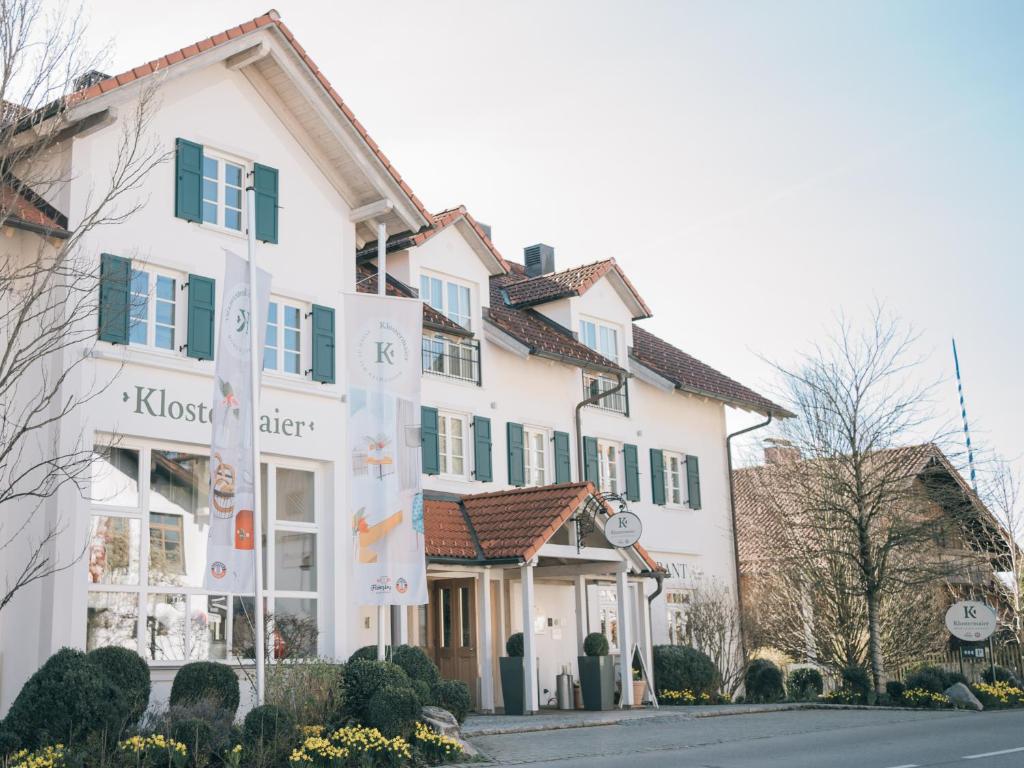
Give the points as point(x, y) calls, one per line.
point(509, 353)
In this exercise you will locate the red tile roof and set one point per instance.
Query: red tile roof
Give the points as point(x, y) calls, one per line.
point(529, 291)
point(366, 282)
point(269, 19)
point(22, 209)
point(512, 524)
point(691, 375)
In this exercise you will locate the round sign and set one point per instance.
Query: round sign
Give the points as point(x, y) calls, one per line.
point(971, 620)
point(623, 529)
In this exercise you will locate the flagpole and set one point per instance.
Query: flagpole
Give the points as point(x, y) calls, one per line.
point(382, 279)
point(254, 414)
point(963, 415)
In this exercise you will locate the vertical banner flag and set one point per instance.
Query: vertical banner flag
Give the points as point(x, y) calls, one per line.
point(383, 365)
point(231, 548)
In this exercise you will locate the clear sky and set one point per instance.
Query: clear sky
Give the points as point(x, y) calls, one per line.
point(756, 167)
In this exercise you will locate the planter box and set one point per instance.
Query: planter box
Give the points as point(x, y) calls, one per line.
point(513, 684)
point(597, 679)
point(639, 689)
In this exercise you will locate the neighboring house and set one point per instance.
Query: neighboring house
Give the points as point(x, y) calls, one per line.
point(509, 352)
point(965, 551)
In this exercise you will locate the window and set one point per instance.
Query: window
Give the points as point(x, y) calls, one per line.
point(608, 465)
point(535, 456)
point(677, 602)
point(675, 479)
point(595, 384)
point(450, 299)
point(153, 306)
point(452, 359)
point(147, 557)
point(603, 339)
point(222, 192)
point(451, 430)
point(282, 350)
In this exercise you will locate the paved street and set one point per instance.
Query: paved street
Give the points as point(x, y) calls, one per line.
point(794, 739)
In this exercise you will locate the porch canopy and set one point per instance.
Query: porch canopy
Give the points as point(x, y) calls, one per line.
point(552, 536)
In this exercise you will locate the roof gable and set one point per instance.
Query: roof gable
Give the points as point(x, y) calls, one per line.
point(531, 291)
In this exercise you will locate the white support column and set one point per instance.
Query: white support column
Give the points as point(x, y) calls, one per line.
point(485, 641)
point(399, 625)
point(382, 622)
point(529, 649)
point(625, 639)
point(582, 616)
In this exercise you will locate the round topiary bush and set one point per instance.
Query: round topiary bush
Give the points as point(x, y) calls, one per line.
point(368, 653)
point(364, 678)
point(206, 680)
point(416, 663)
point(197, 736)
point(894, 689)
point(595, 644)
point(453, 695)
point(805, 684)
point(269, 732)
point(857, 682)
point(763, 681)
point(423, 692)
point(66, 700)
point(514, 645)
point(928, 678)
point(681, 668)
point(393, 711)
point(1002, 675)
point(129, 674)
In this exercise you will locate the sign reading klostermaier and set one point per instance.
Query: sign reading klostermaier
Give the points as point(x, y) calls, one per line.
point(971, 620)
point(383, 367)
point(623, 529)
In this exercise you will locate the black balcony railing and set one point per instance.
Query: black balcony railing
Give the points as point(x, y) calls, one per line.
point(618, 402)
point(450, 359)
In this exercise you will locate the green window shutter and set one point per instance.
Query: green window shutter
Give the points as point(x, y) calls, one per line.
point(632, 466)
point(188, 185)
point(429, 441)
point(482, 449)
point(265, 184)
point(591, 470)
point(202, 309)
point(657, 477)
point(323, 344)
point(693, 481)
point(115, 292)
point(516, 459)
point(563, 461)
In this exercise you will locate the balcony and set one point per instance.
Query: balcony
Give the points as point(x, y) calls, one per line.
point(617, 402)
point(450, 359)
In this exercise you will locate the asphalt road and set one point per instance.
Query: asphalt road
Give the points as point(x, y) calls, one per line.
point(795, 739)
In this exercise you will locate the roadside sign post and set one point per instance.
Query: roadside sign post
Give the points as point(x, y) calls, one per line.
point(974, 622)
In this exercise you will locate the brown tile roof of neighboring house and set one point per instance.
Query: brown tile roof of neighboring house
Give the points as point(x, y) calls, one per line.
point(270, 18)
point(529, 291)
point(23, 209)
point(366, 282)
point(503, 525)
point(691, 375)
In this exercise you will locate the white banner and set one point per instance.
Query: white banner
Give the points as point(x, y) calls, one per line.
point(231, 547)
point(383, 366)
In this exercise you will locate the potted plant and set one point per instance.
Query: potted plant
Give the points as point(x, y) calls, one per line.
point(513, 676)
point(639, 688)
point(597, 673)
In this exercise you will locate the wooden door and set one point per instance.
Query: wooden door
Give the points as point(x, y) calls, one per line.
point(453, 630)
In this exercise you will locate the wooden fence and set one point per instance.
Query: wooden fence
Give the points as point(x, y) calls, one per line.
point(1009, 656)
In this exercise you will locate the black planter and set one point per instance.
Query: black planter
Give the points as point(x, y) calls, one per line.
point(597, 679)
point(512, 684)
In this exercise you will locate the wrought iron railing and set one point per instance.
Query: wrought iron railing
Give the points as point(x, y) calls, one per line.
point(451, 359)
point(594, 384)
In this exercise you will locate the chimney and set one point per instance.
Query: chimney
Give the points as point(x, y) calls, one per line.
point(539, 259)
point(778, 452)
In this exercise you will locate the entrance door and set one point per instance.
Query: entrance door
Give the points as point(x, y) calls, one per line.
point(453, 630)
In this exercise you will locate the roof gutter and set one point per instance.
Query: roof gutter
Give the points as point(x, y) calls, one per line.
point(593, 399)
point(475, 561)
point(732, 511)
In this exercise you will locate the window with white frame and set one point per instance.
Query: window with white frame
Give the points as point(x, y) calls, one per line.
point(223, 182)
point(677, 601)
point(451, 299)
point(147, 559)
point(153, 309)
point(675, 478)
point(600, 337)
point(608, 465)
point(451, 436)
point(282, 350)
point(535, 456)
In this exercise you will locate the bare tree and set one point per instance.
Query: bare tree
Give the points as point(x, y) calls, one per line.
point(49, 290)
point(713, 626)
point(1004, 493)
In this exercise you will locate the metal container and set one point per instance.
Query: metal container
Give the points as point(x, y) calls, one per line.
point(563, 690)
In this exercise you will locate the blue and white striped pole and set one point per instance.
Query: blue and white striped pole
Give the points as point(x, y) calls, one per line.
point(963, 415)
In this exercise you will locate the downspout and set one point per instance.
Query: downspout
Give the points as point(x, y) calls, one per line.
point(732, 510)
point(579, 430)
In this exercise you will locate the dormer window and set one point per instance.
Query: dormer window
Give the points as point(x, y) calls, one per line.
point(603, 339)
point(451, 299)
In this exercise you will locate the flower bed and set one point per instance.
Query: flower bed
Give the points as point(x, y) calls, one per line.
point(999, 695)
point(687, 698)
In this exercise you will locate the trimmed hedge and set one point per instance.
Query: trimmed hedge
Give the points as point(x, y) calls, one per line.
point(1002, 675)
point(453, 695)
point(269, 732)
point(928, 678)
point(514, 646)
point(595, 644)
point(681, 668)
point(128, 673)
point(393, 711)
point(413, 660)
point(365, 678)
point(894, 689)
point(763, 681)
point(206, 680)
point(857, 682)
point(805, 683)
